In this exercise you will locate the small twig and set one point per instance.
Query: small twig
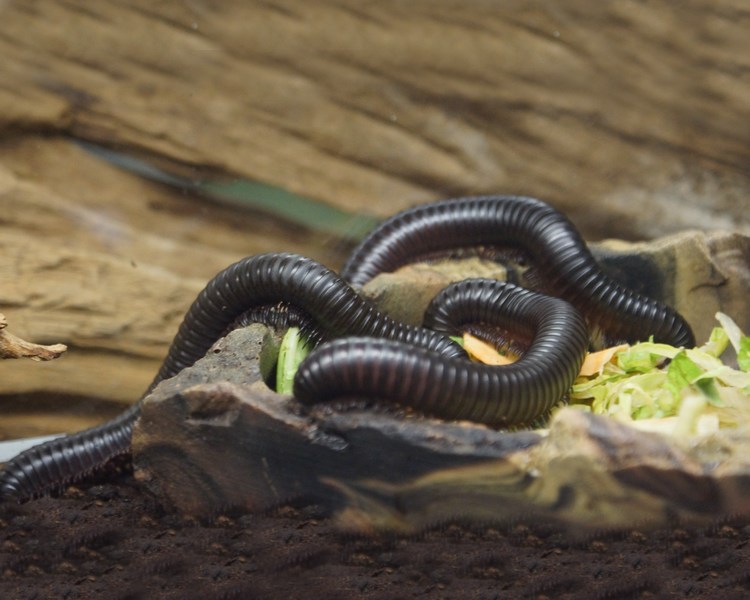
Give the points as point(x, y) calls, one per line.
point(14, 347)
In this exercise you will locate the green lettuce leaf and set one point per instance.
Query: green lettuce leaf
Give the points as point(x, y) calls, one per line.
point(292, 352)
point(743, 354)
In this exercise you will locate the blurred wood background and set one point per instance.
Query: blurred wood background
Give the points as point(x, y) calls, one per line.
point(633, 117)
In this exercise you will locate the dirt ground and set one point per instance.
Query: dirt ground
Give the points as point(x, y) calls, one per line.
point(109, 539)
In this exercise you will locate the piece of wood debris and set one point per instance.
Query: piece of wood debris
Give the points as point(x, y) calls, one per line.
point(12, 346)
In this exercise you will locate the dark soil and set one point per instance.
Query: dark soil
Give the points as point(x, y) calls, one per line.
point(111, 540)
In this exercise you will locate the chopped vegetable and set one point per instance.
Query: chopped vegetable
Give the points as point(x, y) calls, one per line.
point(292, 352)
point(743, 354)
point(674, 390)
point(595, 361)
point(484, 352)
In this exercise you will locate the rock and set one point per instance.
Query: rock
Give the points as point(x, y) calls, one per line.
point(211, 439)
point(695, 272)
point(633, 122)
point(216, 439)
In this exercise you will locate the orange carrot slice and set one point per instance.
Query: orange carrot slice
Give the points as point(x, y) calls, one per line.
point(595, 361)
point(484, 352)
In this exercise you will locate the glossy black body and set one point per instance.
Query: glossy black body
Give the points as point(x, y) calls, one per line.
point(429, 369)
point(557, 250)
point(252, 284)
point(515, 394)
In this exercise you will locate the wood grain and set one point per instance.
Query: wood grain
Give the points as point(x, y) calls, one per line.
point(631, 116)
point(108, 264)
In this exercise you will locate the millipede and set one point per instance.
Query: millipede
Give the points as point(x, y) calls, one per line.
point(362, 352)
point(460, 389)
point(557, 250)
point(250, 288)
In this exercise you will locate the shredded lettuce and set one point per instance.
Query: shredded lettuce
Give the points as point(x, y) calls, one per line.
point(739, 340)
point(717, 342)
point(743, 354)
point(683, 391)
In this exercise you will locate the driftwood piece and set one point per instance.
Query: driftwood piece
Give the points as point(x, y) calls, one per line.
point(12, 346)
point(108, 264)
point(230, 443)
point(631, 117)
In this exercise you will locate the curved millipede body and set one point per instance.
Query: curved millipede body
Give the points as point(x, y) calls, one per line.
point(419, 368)
point(559, 253)
point(257, 281)
point(457, 388)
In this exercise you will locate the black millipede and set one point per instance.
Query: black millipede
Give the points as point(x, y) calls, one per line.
point(256, 281)
point(454, 388)
point(335, 309)
point(562, 258)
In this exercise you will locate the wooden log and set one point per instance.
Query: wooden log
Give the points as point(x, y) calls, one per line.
point(632, 117)
point(367, 109)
